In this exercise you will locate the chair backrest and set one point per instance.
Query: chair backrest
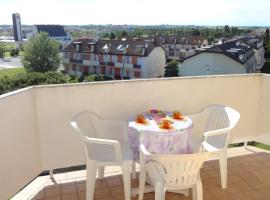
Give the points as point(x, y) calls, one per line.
point(220, 117)
point(91, 124)
point(176, 171)
point(88, 124)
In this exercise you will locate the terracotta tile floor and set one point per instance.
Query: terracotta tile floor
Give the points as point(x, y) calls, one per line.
point(248, 179)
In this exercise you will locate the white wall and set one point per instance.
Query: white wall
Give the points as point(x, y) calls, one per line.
point(20, 153)
point(259, 54)
point(36, 134)
point(210, 63)
point(154, 64)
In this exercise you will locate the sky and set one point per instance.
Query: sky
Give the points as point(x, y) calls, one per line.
point(138, 12)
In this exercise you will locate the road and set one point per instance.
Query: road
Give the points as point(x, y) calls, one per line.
point(13, 62)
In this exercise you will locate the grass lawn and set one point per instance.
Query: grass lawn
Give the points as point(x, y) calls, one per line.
point(7, 54)
point(11, 72)
point(262, 146)
point(255, 144)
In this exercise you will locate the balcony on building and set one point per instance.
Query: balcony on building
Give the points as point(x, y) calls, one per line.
point(36, 136)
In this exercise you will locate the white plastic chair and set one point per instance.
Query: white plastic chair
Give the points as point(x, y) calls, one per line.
point(105, 144)
point(218, 121)
point(173, 172)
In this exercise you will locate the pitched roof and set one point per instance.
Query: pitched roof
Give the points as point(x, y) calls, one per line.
point(116, 47)
point(174, 39)
point(232, 49)
point(52, 30)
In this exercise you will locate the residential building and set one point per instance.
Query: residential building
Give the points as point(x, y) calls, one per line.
point(232, 57)
point(179, 48)
point(56, 32)
point(127, 58)
point(257, 44)
point(17, 28)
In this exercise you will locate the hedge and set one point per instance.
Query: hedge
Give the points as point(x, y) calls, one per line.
point(21, 80)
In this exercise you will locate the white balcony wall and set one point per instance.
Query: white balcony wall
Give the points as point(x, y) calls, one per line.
point(20, 152)
point(56, 105)
point(264, 111)
point(35, 123)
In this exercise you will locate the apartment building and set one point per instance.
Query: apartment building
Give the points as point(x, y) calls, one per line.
point(126, 58)
point(179, 48)
point(232, 57)
point(257, 43)
point(56, 32)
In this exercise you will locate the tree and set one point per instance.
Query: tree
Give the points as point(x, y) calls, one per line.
point(171, 70)
point(112, 36)
point(41, 54)
point(227, 29)
point(106, 35)
point(266, 35)
point(2, 50)
point(124, 34)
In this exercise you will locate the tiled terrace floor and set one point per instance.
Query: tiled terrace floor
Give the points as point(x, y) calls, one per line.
point(248, 179)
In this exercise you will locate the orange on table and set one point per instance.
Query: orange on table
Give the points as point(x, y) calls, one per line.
point(165, 123)
point(177, 115)
point(140, 118)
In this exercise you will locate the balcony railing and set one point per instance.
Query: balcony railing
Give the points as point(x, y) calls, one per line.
point(35, 131)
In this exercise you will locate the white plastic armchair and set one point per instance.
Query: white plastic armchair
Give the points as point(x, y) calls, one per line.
point(173, 172)
point(218, 121)
point(105, 144)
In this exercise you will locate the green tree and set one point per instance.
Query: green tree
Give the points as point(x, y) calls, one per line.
point(124, 34)
point(171, 70)
point(106, 35)
point(227, 29)
point(112, 36)
point(266, 36)
point(2, 50)
point(41, 54)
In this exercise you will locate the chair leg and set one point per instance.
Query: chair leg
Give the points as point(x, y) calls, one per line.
point(223, 168)
point(199, 192)
point(126, 180)
point(159, 192)
point(194, 194)
point(142, 181)
point(133, 170)
point(91, 179)
point(101, 172)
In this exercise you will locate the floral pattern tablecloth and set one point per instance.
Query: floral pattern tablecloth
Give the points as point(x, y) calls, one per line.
point(158, 140)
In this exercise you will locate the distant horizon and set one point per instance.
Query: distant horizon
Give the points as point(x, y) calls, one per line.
point(240, 13)
point(187, 25)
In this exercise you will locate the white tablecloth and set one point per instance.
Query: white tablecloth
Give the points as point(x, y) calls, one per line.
point(158, 140)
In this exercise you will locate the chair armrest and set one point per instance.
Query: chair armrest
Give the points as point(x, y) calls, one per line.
point(208, 147)
point(116, 145)
point(216, 132)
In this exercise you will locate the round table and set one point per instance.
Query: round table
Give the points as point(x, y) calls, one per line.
point(157, 140)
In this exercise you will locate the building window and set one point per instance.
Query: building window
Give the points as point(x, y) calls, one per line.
point(73, 67)
point(134, 60)
point(119, 58)
point(139, 61)
point(137, 74)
